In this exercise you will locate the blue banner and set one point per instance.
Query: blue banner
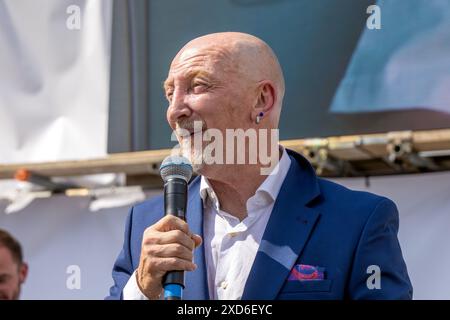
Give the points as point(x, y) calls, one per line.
point(403, 65)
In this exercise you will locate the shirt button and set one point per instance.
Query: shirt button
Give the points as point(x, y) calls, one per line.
point(224, 285)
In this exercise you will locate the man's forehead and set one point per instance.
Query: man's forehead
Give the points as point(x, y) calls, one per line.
point(206, 57)
point(6, 258)
point(209, 64)
point(187, 74)
point(209, 49)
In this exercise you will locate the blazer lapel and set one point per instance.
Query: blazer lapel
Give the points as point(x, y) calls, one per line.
point(287, 232)
point(196, 287)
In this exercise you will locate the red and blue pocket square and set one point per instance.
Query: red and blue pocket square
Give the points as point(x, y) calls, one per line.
point(304, 272)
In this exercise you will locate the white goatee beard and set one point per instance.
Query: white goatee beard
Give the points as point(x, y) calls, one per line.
point(195, 152)
point(189, 144)
point(194, 155)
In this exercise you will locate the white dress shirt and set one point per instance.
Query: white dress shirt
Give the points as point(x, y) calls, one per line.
point(231, 245)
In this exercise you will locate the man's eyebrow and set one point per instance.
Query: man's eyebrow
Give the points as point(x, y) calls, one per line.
point(198, 73)
point(167, 84)
point(190, 74)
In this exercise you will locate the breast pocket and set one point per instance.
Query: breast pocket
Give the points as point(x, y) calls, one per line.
point(307, 286)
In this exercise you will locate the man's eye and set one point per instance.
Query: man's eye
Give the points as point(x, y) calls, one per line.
point(199, 87)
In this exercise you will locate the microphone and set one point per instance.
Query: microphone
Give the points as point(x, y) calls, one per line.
point(176, 171)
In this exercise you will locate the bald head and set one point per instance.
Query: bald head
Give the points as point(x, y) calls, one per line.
point(248, 56)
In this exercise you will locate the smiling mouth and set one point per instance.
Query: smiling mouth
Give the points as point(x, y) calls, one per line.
point(185, 133)
point(195, 132)
point(191, 134)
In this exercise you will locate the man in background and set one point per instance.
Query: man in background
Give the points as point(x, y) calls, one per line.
point(13, 270)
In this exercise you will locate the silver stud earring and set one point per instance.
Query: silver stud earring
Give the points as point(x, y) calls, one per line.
point(259, 117)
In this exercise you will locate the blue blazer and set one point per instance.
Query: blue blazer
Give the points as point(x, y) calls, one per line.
point(314, 222)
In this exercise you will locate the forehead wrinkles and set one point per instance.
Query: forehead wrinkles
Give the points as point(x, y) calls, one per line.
point(210, 59)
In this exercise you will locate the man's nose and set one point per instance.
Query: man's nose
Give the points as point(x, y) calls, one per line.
point(178, 107)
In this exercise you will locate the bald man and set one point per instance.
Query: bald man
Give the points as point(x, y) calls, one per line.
point(279, 233)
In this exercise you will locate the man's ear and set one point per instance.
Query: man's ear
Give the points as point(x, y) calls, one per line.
point(23, 272)
point(265, 100)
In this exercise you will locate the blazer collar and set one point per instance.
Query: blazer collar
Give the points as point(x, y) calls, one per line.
point(196, 287)
point(287, 231)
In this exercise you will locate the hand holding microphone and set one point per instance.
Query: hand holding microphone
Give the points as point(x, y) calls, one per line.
point(168, 245)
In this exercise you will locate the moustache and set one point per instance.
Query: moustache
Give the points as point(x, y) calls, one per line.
point(187, 127)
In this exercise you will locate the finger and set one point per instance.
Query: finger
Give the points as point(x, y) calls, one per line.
point(174, 264)
point(176, 236)
point(174, 250)
point(197, 240)
point(170, 222)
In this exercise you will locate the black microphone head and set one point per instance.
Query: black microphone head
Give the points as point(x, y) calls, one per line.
point(175, 167)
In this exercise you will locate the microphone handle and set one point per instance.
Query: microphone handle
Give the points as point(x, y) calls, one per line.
point(175, 201)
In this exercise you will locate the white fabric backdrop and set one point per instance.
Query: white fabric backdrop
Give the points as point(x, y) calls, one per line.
point(54, 82)
point(60, 231)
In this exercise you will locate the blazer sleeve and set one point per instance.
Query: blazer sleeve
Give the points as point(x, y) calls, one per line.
point(122, 269)
point(379, 250)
